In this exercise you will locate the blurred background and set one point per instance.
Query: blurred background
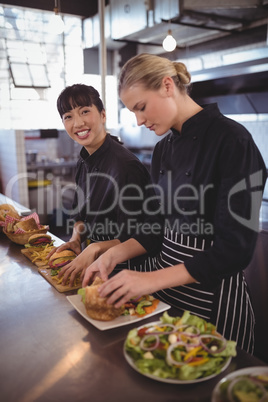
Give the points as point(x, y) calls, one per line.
point(224, 46)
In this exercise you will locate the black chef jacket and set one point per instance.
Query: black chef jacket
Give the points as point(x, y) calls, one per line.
point(112, 192)
point(210, 180)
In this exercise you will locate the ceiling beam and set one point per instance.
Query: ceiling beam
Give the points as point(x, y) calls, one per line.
point(83, 8)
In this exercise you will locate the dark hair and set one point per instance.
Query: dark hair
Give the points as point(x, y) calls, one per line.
point(78, 95)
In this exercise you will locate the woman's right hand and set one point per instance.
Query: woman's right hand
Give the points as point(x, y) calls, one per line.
point(102, 267)
point(73, 245)
point(108, 260)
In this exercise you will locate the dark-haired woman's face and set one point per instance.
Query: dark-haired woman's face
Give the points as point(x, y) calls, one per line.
point(86, 125)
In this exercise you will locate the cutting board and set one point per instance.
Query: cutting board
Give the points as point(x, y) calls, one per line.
point(45, 272)
point(30, 255)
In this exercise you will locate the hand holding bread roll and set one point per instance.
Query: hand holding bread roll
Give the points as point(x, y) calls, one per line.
point(96, 306)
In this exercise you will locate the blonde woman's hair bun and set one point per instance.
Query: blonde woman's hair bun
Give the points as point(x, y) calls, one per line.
point(182, 73)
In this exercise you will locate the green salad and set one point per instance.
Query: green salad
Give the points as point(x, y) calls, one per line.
point(182, 348)
point(245, 388)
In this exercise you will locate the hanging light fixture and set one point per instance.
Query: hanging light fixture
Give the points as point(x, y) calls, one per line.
point(56, 25)
point(169, 43)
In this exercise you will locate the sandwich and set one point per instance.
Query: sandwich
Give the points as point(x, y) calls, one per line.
point(39, 240)
point(96, 306)
point(58, 260)
point(8, 209)
point(26, 225)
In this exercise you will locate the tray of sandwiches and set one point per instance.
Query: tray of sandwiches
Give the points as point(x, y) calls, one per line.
point(55, 263)
point(38, 249)
point(38, 245)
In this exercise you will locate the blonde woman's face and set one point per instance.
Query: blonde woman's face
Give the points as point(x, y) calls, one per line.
point(156, 110)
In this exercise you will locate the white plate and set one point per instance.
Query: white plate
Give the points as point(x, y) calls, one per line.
point(171, 380)
point(77, 303)
point(216, 394)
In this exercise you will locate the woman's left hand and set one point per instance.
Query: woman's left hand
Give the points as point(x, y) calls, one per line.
point(126, 285)
point(79, 264)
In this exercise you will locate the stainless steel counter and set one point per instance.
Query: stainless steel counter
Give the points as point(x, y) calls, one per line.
point(50, 353)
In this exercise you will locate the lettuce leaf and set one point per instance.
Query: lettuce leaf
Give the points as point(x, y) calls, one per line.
point(230, 350)
point(156, 367)
point(132, 344)
point(213, 366)
point(82, 293)
point(189, 319)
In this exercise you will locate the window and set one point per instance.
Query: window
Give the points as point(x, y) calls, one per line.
point(35, 65)
point(29, 75)
point(27, 64)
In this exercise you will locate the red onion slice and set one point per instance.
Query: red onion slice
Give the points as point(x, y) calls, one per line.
point(211, 339)
point(170, 359)
point(135, 299)
point(153, 346)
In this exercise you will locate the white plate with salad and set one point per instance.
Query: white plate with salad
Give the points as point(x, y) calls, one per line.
point(178, 350)
point(77, 303)
point(247, 384)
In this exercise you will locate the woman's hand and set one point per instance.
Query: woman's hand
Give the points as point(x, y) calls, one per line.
point(102, 267)
point(75, 241)
point(127, 285)
point(79, 264)
point(73, 245)
point(117, 253)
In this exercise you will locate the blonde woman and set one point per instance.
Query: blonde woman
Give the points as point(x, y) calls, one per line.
point(209, 177)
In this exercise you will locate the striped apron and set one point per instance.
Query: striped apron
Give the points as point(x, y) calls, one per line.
point(228, 306)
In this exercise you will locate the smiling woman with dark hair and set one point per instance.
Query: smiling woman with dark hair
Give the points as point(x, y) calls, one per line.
point(112, 185)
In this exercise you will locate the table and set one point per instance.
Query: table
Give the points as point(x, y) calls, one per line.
point(48, 352)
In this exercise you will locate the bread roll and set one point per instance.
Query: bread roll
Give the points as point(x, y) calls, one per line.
point(97, 307)
point(26, 225)
point(8, 209)
point(34, 238)
point(59, 259)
